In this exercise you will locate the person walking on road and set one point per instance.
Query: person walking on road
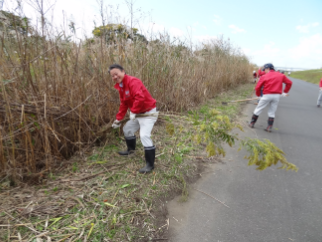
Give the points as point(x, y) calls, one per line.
point(320, 95)
point(272, 91)
point(255, 76)
point(135, 96)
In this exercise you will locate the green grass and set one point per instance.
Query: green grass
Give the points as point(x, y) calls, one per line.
point(313, 76)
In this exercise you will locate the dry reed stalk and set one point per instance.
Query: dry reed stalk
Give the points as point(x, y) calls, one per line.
point(64, 95)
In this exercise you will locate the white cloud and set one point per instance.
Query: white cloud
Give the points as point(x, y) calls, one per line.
point(268, 52)
point(176, 32)
point(191, 28)
point(205, 38)
point(217, 19)
point(151, 29)
point(62, 11)
point(306, 54)
point(308, 51)
point(235, 29)
point(159, 28)
point(306, 28)
point(246, 51)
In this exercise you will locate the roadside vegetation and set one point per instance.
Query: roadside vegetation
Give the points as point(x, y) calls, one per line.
point(56, 94)
point(313, 76)
point(61, 177)
point(98, 196)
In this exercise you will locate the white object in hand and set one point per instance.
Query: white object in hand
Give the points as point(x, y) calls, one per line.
point(132, 116)
point(116, 124)
point(285, 94)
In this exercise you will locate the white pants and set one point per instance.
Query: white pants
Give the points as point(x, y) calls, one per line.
point(319, 98)
point(268, 99)
point(145, 125)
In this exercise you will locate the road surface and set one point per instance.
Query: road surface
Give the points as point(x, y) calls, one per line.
point(264, 206)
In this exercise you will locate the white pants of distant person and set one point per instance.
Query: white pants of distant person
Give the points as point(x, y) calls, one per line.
point(145, 125)
point(319, 98)
point(268, 99)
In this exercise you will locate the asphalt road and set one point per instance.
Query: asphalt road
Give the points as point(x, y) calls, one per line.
point(270, 205)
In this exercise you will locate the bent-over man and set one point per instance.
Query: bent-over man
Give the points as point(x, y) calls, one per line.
point(135, 96)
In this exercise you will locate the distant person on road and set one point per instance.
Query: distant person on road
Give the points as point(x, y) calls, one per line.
point(289, 73)
point(272, 82)
point(255, 76)
point(261, 72)
point(320, 95)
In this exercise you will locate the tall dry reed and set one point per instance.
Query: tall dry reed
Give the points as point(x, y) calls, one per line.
point(56, 94)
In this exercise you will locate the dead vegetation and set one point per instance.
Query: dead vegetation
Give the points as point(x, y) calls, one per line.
point(98, 195)
point(56, 94)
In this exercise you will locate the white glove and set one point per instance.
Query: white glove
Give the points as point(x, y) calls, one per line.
point(132, 116)
point(284, 94)
point(116, 124)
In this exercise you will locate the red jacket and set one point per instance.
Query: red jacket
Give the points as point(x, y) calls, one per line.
point(321, 83)
point(261, 73)
point(273, 83)
point(135, 96)
point(254, 74)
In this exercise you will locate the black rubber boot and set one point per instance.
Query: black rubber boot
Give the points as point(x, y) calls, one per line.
point(253, 121)
point(270, 123)
point(149, 158)
point(131, 143)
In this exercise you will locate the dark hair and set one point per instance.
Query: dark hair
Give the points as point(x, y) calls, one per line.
point(115, 66)
point(269, 66)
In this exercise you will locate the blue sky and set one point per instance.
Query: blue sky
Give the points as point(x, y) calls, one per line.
point(286, 33)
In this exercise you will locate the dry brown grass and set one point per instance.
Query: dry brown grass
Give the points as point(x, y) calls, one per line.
point(80, 193)
point(56, 94)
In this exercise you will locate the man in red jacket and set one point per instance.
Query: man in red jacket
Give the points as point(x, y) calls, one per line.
point(320, 95)
point(272, 82)
point(135, 96)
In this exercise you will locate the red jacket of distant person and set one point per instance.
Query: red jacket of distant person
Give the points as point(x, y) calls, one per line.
point(261, 73)
point(273, 83)
point(133, 95)
point(254, 74)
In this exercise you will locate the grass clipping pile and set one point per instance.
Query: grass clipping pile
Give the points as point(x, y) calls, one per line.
point(105, 199)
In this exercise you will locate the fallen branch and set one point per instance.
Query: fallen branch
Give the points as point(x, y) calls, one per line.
point(212, 197)
point(74, 108)
point(77, 200)
point(136, 211)
point(22, 223)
